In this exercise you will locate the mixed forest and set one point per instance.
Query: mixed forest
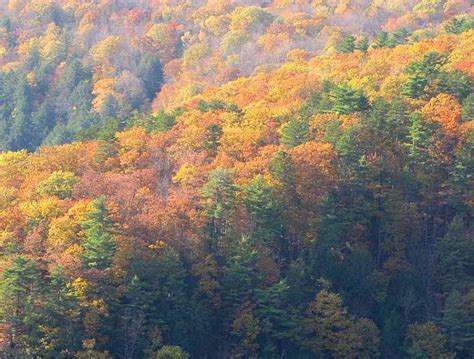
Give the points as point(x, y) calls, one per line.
point(236, 179)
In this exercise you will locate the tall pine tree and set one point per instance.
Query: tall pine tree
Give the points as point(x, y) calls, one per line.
point(99, 246)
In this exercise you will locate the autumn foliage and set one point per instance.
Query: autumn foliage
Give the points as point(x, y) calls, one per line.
point(236, 179)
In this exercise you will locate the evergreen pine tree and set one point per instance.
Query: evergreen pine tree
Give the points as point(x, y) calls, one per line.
point(295, 133)
point(363, 44)
point(73, 74)
point(20, 292)
point(397, 120)
point(399, 36)
point(457, 25)
point(99, 246)
point(151, 73)
point(276, 323)
point(264, 210)
point(348, 100)
point(455, 258)
point(161, 121)
point(419, 135)
point(21, 131)
point(170, 292)
point(219, 194)
point(281, 168)
point(62, 331)
point(43, 120)
point(421, 73)
point(468, 108)
point(455, 83)
point(382, 40)
point(212, 142)
point(135, 317)
point(392, 334)
point(458, 325)
point(238, 279)
point(347, 44)
point(109, 108)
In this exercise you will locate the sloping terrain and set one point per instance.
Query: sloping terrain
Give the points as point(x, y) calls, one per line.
point(318, 206)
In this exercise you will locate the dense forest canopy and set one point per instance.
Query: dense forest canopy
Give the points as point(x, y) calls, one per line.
point(68, 66)
point(236, 179)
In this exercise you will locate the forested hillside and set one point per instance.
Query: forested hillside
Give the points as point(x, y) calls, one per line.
point(67, 66)
point(240, 179)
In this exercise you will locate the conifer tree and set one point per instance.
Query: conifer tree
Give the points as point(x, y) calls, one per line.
point(151, 73)
point(399, 36)
point(457, 25)
point(348, 100)
point(99, 246)
point(20, 294)
point(135, 317)
point(212, 142)
point(264, 210)
point(295, 133)
point(347, 44)
point(382, 40)
point(363, 44)
point(20, 131)
point(419, 135)
point(61, 330)
point(281, 168)
point(275, 318)
point(421, 73)
point(455, 258)
point(239, 278)
point(42, 122)
point(219, 201)
point(109, 107)
point(458, 325)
